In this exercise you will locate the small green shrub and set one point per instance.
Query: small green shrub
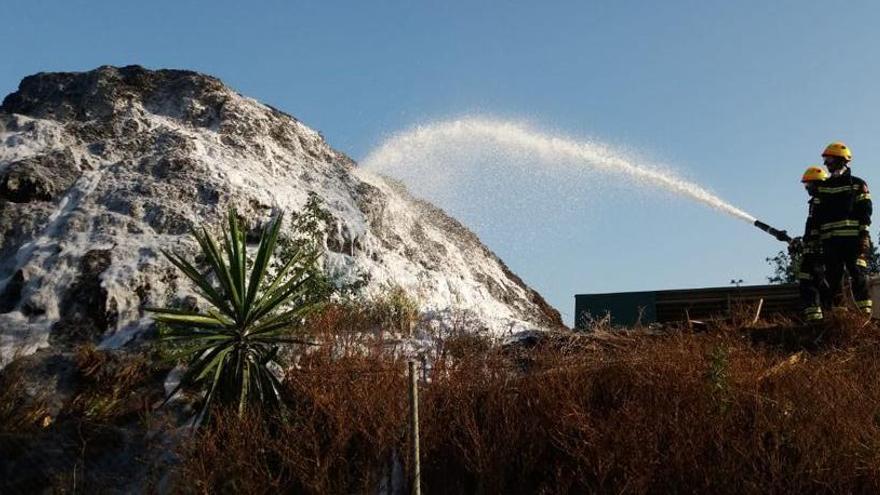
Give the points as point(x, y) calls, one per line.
point(395, 310)
point(231, 346)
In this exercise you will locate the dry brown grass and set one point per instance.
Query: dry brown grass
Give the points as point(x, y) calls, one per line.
point(94, 439)
point(21, 410)
point(727, 411)
point(114, 387)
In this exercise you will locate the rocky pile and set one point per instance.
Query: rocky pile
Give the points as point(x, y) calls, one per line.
point(100, 170)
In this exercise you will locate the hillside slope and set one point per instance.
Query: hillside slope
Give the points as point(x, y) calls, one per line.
point(99, 170)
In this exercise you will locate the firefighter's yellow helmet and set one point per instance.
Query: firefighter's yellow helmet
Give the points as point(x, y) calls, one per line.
point(813, 174)
point(838, 149)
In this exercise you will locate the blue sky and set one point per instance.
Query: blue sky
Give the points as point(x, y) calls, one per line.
point(739, 96)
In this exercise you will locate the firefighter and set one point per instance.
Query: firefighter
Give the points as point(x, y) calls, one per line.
point(810, 273)
point(843, 214)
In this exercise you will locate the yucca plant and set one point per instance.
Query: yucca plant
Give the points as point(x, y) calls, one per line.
point(230, 346)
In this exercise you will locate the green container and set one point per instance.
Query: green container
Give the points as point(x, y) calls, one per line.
point(625, 308)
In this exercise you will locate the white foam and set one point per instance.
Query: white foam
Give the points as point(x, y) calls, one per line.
point(438, 150)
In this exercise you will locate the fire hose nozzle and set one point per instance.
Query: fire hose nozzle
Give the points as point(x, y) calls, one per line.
point(780, 235)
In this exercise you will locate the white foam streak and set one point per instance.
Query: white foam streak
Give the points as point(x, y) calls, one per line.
point(432, 145)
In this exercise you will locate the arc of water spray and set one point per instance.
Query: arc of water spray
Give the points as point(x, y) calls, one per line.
point(430, 139)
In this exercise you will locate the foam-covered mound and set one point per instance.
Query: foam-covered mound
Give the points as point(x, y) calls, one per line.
point(100, 170)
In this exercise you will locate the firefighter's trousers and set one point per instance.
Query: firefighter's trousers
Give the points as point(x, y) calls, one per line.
point(814, 290)
point(844, 255)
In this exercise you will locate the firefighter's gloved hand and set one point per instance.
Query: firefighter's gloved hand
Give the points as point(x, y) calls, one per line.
point(796, 246)
point(865, 244)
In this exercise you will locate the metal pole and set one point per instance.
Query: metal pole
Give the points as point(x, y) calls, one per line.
point(414, 427)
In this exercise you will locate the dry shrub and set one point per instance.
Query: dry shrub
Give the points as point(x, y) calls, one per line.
point(342, 322)
point(344, 420)
point(624, 413)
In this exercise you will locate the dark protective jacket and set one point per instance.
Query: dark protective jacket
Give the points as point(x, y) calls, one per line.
point(844, 216)
point(812, 285)
point(811, 249)
point(812, 242)
point(843, 207)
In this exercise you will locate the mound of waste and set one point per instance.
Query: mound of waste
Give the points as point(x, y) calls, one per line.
point(100, 170)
